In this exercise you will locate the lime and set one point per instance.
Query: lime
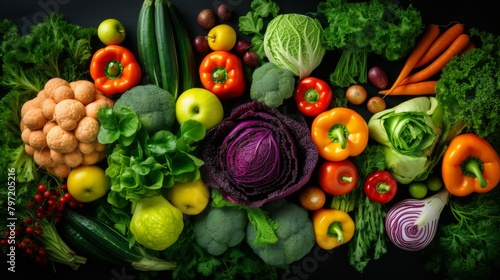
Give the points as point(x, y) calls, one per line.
point(434, 183)
point(418, 190)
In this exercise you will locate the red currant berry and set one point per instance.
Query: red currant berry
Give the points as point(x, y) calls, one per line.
point(38, 197)
point(29, 230)
point(47, 194)
point(42, 188)
point(38, 231)
point(40, 215)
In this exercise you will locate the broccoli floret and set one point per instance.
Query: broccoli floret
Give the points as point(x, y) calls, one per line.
point(154, 106)
point(295, 234)
point(218, 228)
point(271, 85)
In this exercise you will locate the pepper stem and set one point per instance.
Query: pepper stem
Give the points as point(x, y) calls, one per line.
point(335, 230)
point(474, 167)
point(346, 179)
point(113, 70)
point(383, 187)
point(219, 75)
point(338, 133)
point(311, 96)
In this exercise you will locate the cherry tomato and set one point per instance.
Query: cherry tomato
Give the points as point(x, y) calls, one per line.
point(356, 94)
point(312, 198)
point(338, 177)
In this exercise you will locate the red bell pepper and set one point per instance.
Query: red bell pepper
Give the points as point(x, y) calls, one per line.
point(338, 177)
point(380, 186)
point(114, 70)
point(221, 72)
point(312, 96)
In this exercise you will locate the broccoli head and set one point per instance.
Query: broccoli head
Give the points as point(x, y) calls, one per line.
point(271, 85)
point(295, 234)
point(218, 228)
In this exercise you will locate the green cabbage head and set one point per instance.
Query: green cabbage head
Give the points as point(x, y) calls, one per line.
point(295, 42)
point(412, 135)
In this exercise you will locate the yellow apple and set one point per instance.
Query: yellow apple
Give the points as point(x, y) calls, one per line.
point(87, 183)
point(221, 37)
point(190, 198)
point(111, 32)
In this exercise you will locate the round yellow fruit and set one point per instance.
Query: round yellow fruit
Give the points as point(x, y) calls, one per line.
point(221, 37)
point(190, 198)
point(87, 183)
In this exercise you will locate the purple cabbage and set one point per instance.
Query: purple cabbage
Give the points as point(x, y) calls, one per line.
point(258, 154)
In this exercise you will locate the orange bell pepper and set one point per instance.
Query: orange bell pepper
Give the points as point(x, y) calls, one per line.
point(339, 133)
point(470, 164)
point(221, 72)
point(332, 227)
point(114, 70)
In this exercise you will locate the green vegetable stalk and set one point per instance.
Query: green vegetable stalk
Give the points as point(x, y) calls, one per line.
point(57, 249)
point(361, 28)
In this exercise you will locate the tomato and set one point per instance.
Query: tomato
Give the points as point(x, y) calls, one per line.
point(338, 177)
point(356, 94)
point(417, 190)
point(312, 198)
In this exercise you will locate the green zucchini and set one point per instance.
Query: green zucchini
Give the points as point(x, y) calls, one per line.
point(83, 246)
point(188, 72)
point(113, 242)
point(167, 53)
point(146, 44)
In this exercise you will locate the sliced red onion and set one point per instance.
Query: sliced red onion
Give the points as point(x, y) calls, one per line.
point(411, 224)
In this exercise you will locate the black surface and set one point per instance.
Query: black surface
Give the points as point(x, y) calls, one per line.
point(319, 264)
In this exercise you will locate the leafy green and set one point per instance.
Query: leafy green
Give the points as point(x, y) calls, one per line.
point(469, 246)
point(53, 48)
point(369, 238)
point(254, 23)
point(412, 133)
point(469, 88)
point(295, 42)
point(360, 28)
point(141, 165)
point(264, 225)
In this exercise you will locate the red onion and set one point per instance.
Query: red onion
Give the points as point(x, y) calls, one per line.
point(411, 224)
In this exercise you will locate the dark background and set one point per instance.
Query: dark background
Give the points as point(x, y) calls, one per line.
point(395, 264)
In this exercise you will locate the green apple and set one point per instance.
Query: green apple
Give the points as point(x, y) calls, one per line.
point(111, 32)
point(201, 105)
point(191, 198)
point(221, 37)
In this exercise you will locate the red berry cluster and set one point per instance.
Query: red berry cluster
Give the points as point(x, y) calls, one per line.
point(47, 204)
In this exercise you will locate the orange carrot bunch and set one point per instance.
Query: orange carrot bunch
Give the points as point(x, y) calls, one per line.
point(432, 52)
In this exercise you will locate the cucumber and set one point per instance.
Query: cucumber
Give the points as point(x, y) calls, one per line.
point(102, 235)
point(83, 246)
point(113, 243)
point(167, 53)
point(188, 72)
point(146, 44)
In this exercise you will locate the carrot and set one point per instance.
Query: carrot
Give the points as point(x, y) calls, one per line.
point(432, 69)
point(419, 88)
point(430, 34)
point(441, 44)
point(469, 47)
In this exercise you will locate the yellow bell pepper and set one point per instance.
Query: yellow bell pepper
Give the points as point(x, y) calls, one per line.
point(339, 133)
point(332, 227)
